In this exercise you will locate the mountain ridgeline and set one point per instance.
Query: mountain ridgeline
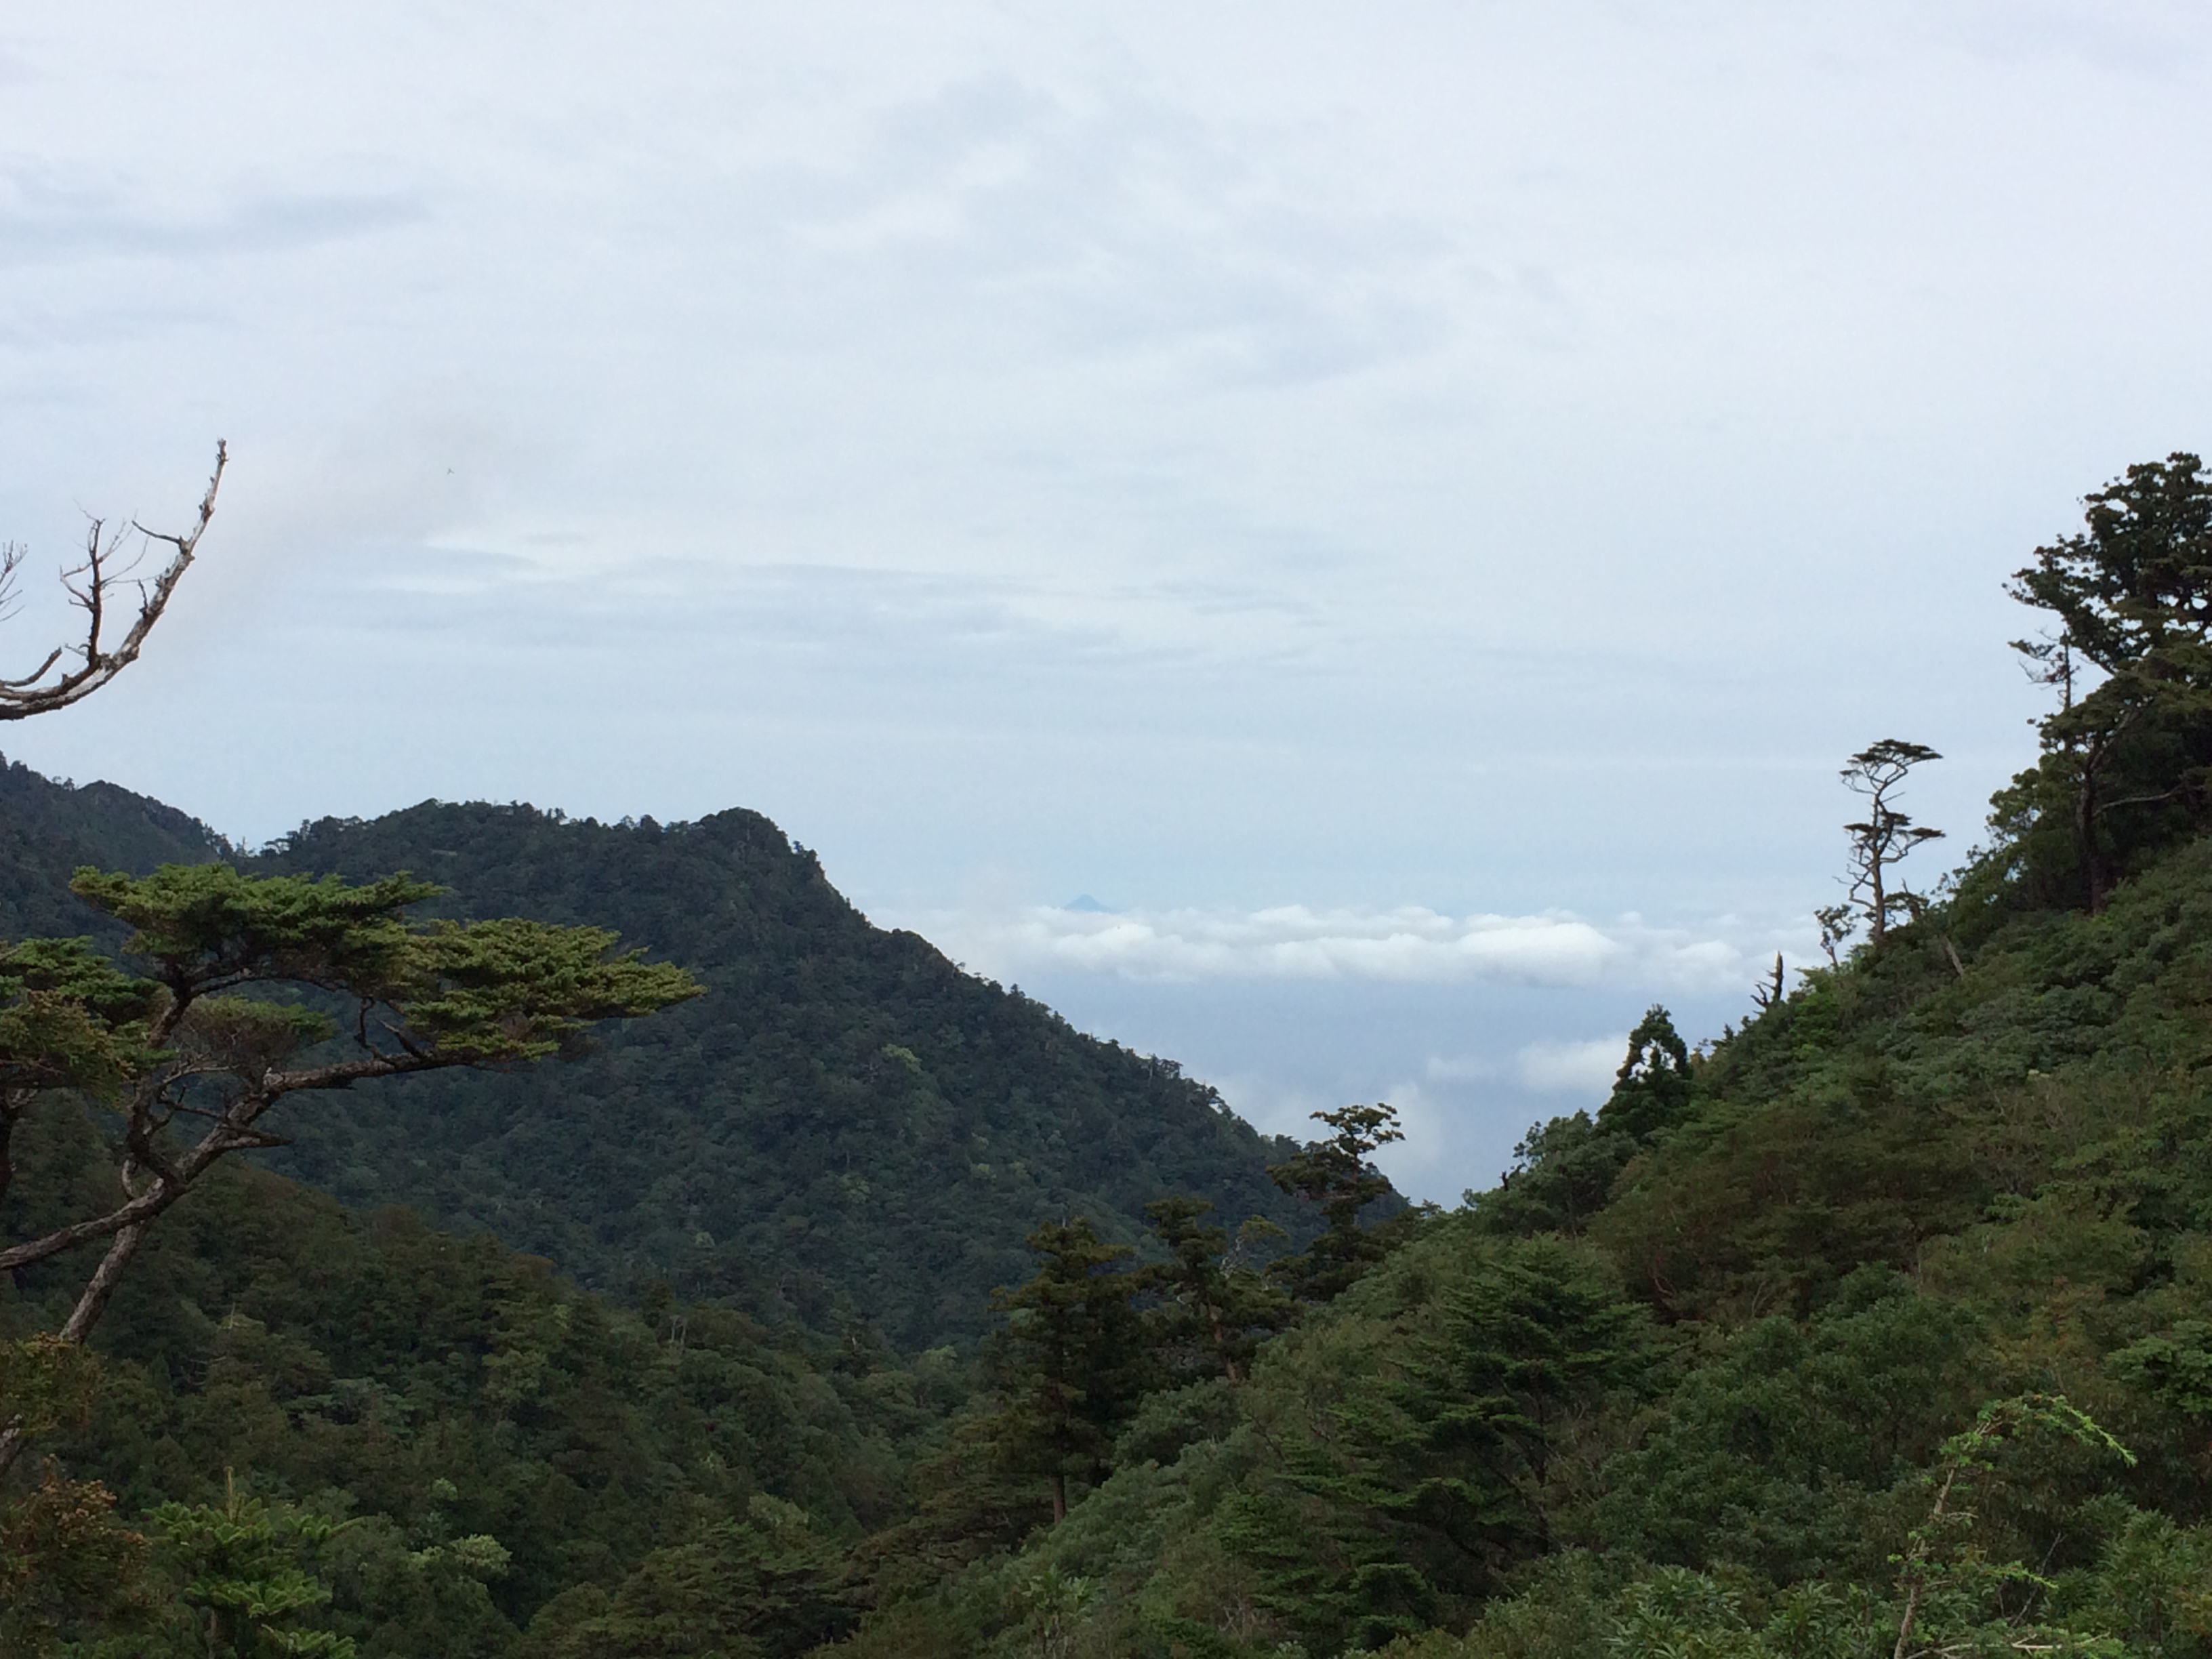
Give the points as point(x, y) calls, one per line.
point(846, 1129)
point(48, 829)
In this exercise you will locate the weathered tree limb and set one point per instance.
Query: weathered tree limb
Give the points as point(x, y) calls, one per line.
point(102, 1285)
point(233, 1130)
point(90, 585)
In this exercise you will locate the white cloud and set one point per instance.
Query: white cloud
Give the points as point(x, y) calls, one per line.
point(1406, 945)
point(1586, 1069)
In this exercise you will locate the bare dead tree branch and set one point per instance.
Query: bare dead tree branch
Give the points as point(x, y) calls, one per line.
point(1768, 992)
point(91, 586)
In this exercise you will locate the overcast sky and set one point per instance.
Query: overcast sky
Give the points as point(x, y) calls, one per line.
point(1402, 508)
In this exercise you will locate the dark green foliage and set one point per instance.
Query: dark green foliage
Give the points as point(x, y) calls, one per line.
point(1564, 1171)
point(1210, 1310)
point(69, 1019)
point(493, 1439)
point(2174, 1367)
point(2128, 753)
point(845, 1128)
point(1889, 1103)
point(49, 830)
point(1410, 1432)
point(1071, 1362)
point(1779, 1453)
point(765, 1587)
point(1336, 1177)
point(1652, 1091)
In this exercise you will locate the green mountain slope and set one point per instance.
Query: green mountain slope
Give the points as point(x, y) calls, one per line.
point(846, 1128)
point(48, 828)
point(2060, 1067)
point(495, 1439)
point(1694, 1379)
point(1880, 1327)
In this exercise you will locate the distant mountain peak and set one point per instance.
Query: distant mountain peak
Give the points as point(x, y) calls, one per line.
point(1084, 902)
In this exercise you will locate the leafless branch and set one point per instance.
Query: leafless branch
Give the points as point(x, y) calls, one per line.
point(1768, 992)
point(91, 586)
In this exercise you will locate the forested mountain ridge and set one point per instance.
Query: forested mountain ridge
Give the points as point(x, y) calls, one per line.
point(48, 829)
point(491, 1438)
point(846, 1129)
point(845, 1126)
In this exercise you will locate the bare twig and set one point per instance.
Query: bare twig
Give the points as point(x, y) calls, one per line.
point(90, 585)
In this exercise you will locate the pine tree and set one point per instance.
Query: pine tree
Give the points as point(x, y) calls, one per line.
point(1072, 1360)
point(1879, 841)
point(1338, 1177)
point(1212, 1312)
point(229, 1023)
point(2127, 761)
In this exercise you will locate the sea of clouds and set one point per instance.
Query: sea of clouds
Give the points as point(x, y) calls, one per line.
point(1405, 945)
point(1473, 1025)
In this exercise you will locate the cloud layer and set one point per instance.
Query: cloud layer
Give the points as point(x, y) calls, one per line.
point(1406, 945)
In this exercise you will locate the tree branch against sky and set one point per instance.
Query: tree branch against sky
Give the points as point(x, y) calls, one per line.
point(94, 587)
point(1886, 835)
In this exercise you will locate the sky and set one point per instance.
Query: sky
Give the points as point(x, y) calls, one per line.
point(1344, 545)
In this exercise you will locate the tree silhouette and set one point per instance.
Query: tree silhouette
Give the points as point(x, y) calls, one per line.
point(1885, 835)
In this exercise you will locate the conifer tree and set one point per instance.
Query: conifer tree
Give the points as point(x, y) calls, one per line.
point(248, 1584)
point(1337, 1175)
point(2127, 755)
point(1072, 1360)
point(1212, 1312)
point(257, 989)
point(1885, 835)
point(1653, 1087)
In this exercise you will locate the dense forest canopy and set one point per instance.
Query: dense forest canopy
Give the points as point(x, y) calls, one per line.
point(845, 1128)
point(1879, 1325)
